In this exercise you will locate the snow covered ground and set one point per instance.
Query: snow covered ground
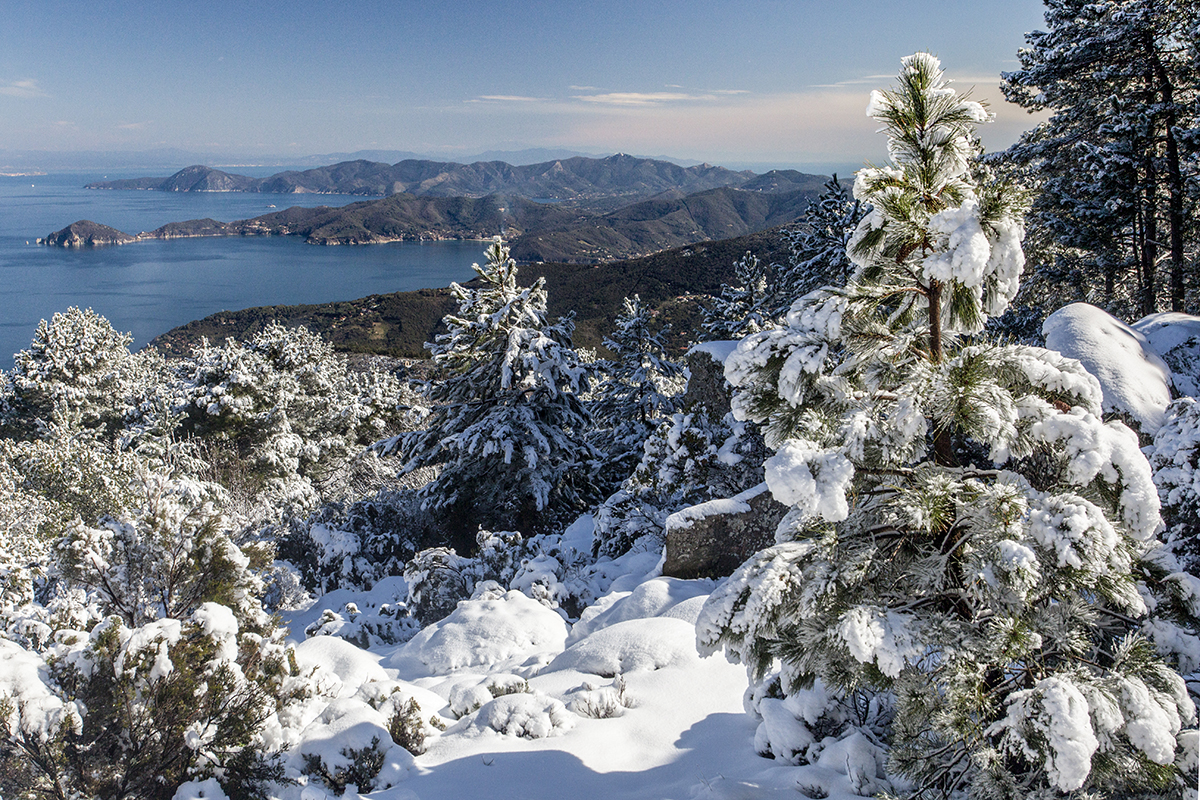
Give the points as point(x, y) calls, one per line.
point(515, 701)
point(617, 705)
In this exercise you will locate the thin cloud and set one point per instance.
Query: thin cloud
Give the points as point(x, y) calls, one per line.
point(504, 98)
point(642, 98)
point(25, 88)
point(866, 80)
point(133, 126)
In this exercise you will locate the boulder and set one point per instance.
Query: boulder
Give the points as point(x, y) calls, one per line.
point(712, 539)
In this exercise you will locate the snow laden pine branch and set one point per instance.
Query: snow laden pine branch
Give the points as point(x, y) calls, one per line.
point(969, 544)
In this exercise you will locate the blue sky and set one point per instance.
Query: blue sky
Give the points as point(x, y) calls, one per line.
point(753, 81)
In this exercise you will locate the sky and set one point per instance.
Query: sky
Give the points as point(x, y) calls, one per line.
point(752, 81)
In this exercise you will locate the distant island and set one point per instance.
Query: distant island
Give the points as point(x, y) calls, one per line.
point(618, 178)
point(520, 205)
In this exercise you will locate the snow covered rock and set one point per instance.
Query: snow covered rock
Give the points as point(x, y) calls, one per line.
point(714, 538)
point(1176, 338)
point(706, 376)
point(1135, 380)
point(486, 632)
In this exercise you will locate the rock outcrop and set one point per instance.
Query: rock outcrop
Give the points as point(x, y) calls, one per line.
point(712, 539)
point(86, 233)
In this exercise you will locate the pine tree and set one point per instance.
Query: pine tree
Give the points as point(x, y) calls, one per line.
point(1113, 162)
point(641, 386)
point(744, 307)
point(508, 424)
point(818, 245)
point(968, 542)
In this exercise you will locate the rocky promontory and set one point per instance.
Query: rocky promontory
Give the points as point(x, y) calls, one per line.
point(86, 233)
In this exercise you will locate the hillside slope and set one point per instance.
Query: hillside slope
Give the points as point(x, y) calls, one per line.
point(400, 323)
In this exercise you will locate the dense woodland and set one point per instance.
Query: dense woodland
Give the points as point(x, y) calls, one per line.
point(985, 583)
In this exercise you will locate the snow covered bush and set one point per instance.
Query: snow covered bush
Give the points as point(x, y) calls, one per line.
point(162, 559)
point(283, 416)
point(354, 544)
point(438, 578)
point(967, 538)
point(77, 373)
point(529, 716)
point(145, 630)
point(508, 424)
point(1175, 458)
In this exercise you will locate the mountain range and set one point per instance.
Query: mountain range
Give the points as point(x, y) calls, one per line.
point(617, 179)
point(575, 210)
point(672, 283)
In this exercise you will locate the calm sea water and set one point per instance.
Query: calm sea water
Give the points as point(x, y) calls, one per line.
point(148, 288)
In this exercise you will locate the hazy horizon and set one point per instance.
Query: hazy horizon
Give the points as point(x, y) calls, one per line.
point(765, 82)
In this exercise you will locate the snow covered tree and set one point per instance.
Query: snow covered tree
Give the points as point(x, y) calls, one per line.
point(285, 413)
point(818, 245)
point(76, 374)
point(1113, 162)
point(968, 542)
point(639, 388)
point(508, 424)
point(745, 306)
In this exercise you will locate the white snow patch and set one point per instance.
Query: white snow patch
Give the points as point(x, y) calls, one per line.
point(629, 646)
point(718, 351)
point(341, 668)
point(509, 630)
point(810, 478)
point(209, 789)
point(1133, 377)
point(1176, 338)
point(656, 597)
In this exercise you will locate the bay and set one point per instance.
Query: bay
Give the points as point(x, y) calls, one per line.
point(147, 288)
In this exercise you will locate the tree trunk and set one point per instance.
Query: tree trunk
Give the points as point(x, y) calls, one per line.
point(1175, 218)
point(943, 443)
point(1150, 239)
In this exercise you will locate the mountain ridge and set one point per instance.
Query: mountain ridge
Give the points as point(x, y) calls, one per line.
point(575, 179)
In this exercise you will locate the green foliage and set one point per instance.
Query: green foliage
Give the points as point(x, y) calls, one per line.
point(508, 422)
point(968, 541)
point(363, 765)
point(407, 727)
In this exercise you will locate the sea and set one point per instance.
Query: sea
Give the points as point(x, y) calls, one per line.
point(147, 288)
